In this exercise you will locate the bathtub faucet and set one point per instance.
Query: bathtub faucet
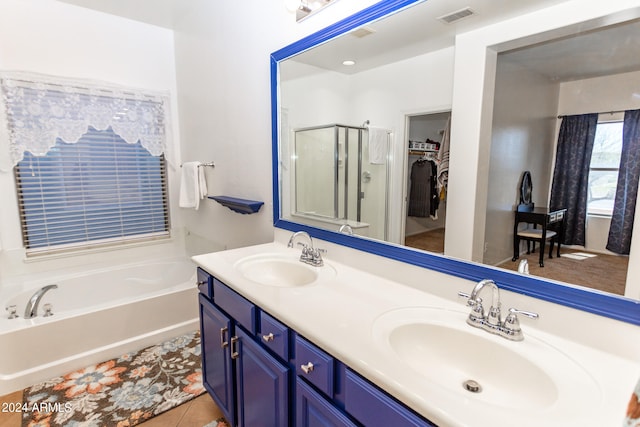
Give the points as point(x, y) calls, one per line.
point(32, 306)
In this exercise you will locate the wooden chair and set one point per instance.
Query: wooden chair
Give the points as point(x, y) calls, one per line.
point(534, 235)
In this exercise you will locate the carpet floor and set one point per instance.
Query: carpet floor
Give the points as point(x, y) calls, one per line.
point(121, 392)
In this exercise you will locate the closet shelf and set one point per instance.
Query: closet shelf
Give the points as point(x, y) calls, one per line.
point(241, 206)
point(417, 152)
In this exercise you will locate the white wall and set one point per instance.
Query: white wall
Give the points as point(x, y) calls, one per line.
point(50, 37)
point(223, 71)
point(523, 138)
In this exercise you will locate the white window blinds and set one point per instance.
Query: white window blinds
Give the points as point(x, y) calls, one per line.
point(90, 165)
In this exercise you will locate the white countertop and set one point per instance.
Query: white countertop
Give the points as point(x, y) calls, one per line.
point(338, 313)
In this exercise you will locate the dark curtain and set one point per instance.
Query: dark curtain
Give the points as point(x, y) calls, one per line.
point(624, 207)
point(569, 188)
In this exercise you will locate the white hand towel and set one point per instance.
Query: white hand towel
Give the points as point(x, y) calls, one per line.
point(193, 186)
point(378, 146)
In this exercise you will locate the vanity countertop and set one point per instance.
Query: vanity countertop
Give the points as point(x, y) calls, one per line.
point(339, 312)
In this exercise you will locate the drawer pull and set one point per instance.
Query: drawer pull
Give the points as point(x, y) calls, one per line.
point(234, 348)
point(200, 283)
point(268, 338)
point(223, 341)
point(308, 368)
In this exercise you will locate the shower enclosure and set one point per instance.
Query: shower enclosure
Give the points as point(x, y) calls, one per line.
point(334, 179)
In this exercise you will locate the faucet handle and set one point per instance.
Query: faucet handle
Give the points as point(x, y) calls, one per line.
point(48, 310)
point(529, 314)
point(476, 317)
point(13, 311)
point(511, 326)
point(470, 302)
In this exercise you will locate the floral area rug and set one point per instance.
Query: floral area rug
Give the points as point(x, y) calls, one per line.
point(120, 392)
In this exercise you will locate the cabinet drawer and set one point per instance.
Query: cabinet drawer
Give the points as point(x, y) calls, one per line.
point(312, 410)
point(274, 335)
point(371, 406)
point(314, 365)
point(205, 282)
point(236, 306)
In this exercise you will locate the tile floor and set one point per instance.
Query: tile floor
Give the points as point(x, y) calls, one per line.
point(195, 413)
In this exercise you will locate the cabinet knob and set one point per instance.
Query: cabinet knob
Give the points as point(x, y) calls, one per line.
point(269, 337)
point(308, 368)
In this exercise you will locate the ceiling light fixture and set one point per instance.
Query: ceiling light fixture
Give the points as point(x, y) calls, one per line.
point(349, 62)
point(307, 7)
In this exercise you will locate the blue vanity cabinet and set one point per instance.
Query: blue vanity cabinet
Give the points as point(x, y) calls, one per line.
point(262, 385)
point(261, 373)
point(314, 410)
point(217, 367)
point(371, 406)
point(250, 386)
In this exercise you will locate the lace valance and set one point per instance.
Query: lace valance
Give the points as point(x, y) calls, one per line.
point(40, 109)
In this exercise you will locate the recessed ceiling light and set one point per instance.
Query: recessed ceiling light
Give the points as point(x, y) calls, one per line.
point(348, 62)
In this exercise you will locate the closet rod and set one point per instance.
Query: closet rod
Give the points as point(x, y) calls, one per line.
point(601, 112)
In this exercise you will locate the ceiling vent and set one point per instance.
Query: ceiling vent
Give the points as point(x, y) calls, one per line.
point(362, 32)
point(452, 17)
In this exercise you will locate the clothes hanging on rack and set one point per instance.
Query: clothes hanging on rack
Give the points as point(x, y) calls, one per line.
point(423, 195)
point(443, 157)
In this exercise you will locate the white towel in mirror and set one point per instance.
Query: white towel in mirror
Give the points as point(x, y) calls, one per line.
point(378, 145)
point(193, 186)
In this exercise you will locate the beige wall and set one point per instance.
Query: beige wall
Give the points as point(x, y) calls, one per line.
point(524, 119)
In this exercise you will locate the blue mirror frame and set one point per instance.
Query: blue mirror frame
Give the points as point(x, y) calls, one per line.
point(600, 303)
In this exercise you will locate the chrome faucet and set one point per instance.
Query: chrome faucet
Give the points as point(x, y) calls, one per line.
point(492, 321)
point(32, 306)
point(523, 267)
point(310, 255)
point(346, 229)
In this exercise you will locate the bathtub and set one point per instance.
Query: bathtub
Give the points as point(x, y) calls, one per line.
point(97, 315)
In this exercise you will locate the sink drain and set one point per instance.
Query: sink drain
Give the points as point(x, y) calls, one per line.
point(472, 386)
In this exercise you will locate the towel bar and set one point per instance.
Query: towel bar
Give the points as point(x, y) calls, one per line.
point(208, 164)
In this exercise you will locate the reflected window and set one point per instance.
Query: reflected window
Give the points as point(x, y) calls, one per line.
point(603, 172)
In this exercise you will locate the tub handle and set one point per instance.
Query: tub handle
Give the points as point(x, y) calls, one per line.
point(234, 348)
point(223, 341)
point(13, 312)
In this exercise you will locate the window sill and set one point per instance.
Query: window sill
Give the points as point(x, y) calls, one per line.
point(98, 248)
point(603, 215)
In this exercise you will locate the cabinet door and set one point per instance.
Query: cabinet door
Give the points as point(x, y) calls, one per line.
point(217, 373)
point(263, 385)
point(313, 410)
point(371, 406)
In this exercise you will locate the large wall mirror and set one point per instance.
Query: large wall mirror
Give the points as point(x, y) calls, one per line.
point(364, 107)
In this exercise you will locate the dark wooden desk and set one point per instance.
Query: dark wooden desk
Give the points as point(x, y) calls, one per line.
point(543, 217)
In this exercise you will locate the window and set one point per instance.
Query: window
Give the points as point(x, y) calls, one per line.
point(100, 190)
point(89, 161)
point(603, 172)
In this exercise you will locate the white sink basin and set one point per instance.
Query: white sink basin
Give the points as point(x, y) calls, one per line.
point(280, 270)
point(438, 346)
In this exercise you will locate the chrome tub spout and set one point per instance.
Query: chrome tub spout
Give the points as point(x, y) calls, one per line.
point(32, 306)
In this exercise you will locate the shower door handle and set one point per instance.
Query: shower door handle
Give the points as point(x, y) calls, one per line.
point(223, 340)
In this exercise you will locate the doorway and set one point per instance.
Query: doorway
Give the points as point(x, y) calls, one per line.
point(426, 172)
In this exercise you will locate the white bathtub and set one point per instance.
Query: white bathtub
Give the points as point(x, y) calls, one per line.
point(98, 315)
